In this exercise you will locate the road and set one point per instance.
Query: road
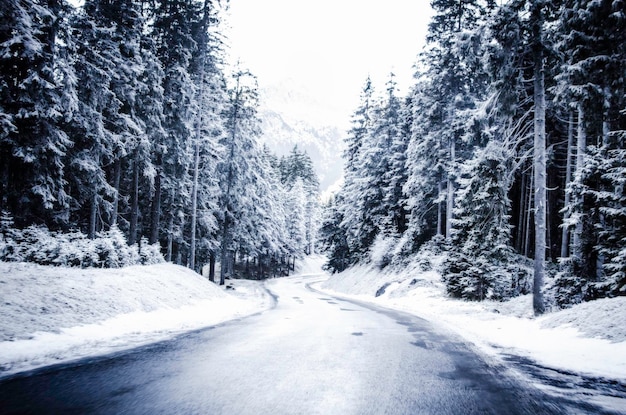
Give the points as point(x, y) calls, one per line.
point(311, 354)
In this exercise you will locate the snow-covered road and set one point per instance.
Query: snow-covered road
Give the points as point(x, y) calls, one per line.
point(311, 354)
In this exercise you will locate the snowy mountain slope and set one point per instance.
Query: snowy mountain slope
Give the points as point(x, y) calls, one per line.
point(54, 314)
point(290, 116)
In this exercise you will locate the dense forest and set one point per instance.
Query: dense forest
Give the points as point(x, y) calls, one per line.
point(120, 123)
point(508, 155)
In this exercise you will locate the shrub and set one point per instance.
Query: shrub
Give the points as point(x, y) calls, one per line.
point(72, 249)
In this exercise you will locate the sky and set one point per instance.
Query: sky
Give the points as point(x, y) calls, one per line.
point(329, 46)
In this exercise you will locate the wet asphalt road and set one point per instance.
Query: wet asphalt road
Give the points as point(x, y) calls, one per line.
point(311, 354)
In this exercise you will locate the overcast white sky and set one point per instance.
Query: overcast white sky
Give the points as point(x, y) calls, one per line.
point(329, 45)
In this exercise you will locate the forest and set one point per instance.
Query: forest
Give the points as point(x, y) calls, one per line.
point(123, 136)
point(507, 155)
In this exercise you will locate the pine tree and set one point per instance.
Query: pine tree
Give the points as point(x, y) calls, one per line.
point(396, 199)
point(296, 217)
point(358, 229)
point(481, 264)
point(456, 78)
point(424, 185)
point(173, 28)
point(524, 53)
point(379, 170)
point(298, 165)
point(210, 101)
point(242, 129)
point(595, 32)
point(94, 142)
point(34, 111)
point(332, 237)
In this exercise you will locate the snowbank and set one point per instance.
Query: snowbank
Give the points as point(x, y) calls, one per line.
point(52, 314)
point(588, 339)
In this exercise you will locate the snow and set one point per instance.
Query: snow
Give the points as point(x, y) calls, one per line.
point(587, 340)
point(55, 314)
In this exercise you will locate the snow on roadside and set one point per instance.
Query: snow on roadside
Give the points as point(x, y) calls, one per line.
point(587, 339)
point(53, 315)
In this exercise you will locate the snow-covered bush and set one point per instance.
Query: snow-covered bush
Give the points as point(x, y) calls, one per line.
point(73, 249)
point(149, 254)
point(480, 277)
point(570, 286)
point(35, 244)
point(381, 251)
point(114, 251)
point(427, 258)
point(76, 250)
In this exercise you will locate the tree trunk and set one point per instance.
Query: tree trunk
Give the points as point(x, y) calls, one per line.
point(170, 239)
point(226, 231)
point(581, 146)
point(606, 131)
point(194, 208)
point(198, 133)
point(519, 237)
point(155, 214)
point(134, 209)
point(117, 174)
point(539, 159)
point(568, 179)
point(529, 215)
point(440, 210)
point(212, 266)
point(226, 243)
point(450, 198)
point(93, 214)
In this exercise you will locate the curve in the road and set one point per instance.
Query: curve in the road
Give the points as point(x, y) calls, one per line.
point(311, 354)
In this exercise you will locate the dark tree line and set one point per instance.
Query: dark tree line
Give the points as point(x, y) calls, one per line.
point(120, 115)
point(509, 147)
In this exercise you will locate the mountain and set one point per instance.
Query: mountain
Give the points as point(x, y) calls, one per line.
point(291, 116)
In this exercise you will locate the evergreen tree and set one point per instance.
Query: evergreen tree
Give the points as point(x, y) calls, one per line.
point(242, 129)
point(358, 229)
point(457, 79)
point(210, 102)
point(481, 264)
point(34, 111)
point(299, 166)
point(174, 30)
point(424, 186)
point(296, 217)
point(592, 81)
point(96, 58)
point(332, 237)
point(377, 163)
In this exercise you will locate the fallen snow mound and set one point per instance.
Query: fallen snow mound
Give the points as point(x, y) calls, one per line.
point(602, 318)
point(53, 314)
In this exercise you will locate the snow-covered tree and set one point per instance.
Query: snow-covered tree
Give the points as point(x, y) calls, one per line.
point(591, 83)
point(208, 129)
point(173, 28)
point(299, 166)
point(353, 224)
point(332, 237)
point(296, 216)
point(242, 130)
point(34, 110)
